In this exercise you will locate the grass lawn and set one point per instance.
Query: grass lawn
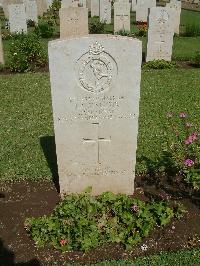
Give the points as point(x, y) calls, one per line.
point(26, 117)
point(181, 258)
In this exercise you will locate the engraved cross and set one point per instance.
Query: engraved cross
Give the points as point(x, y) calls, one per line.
point(97, 140)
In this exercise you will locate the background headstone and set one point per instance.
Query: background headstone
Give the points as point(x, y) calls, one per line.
point(160, 34)
point(96, 111)
point(73, 21)
point(121, 16)
point(1, 50)
point(42, 7)
point(133, 5)
point(17, 18)
point(176, 9)
point(105, 11)
point(69, 3)
point(142, 9)
point(94, 8)
point(9, 2)
point(31, 10)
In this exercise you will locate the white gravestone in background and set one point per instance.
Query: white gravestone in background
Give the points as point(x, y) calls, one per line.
point(83, 3)
point(1, 50)
point(69, 3)
point(121, 16)
point(49, 3)
point(96, 111)
point(160, 34)
point(94, 8)
point(176, 9)
point(133, 5)
point(105, 11)
point(17, 18)
point(142, 9)
point(73, 21)
point(31, 10)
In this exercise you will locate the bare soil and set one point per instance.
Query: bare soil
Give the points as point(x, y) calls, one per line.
point(19, 200)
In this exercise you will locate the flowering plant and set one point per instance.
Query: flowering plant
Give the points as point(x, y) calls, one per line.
point(185, 147)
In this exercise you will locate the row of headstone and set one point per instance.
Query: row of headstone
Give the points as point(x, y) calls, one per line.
point(33, 6)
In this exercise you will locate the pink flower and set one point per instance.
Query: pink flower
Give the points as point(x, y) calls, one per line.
point(191, 138)
point(188, 162)
point(182, 115)
point(63, 242)
point(135, 208)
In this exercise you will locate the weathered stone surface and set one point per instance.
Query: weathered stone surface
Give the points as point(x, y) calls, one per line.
point(83, 3)
point(1, 50)
point(49, 3)
point(121, 16)
point(133, 5)
point(176, 9)
point(160, 34)
point(73, 21)
point(94, 8)
point(105, 11)
point(41, 7)
point(5, 4)
point(31, 10)
point(142, 9)
point(69, 3)
point(17, 18)
point(96, 111)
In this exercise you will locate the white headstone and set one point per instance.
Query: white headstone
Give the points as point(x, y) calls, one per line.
point(94, 8)
point(69, 3)
point(121, 16)
point(105, 11)
point(17, 18)
point(160, 34)
point(49, 3)
point(96, 111)
point(88, 4)
point(31, 10)
point(133, 5)
point(1, 50)
point(82, 3)
point(176, 9)
point(142, 9)
point(73, 21)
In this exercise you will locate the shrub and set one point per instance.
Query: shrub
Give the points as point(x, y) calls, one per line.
point(82, 222)
point(52, 14)
point(196, 61)
point(30, 23)
point(123, 33)
point(96, 27)
point(192, 30)
point(44, 30)
point(26, 53)
point(184, 145)
point(142, 28)
point(159, 64)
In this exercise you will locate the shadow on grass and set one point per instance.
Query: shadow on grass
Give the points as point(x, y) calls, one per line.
point(7, 258)
point(49, 148)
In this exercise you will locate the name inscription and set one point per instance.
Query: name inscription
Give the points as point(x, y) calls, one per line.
point(96, 108)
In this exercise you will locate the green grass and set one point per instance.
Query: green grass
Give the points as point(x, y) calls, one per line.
point(180, 258)
point(26, 117)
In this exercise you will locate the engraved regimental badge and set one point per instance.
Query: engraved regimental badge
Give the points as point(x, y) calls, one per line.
point(96, 69)
point(163, 17)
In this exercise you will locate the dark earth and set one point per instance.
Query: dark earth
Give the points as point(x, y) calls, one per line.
point(19, 200)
